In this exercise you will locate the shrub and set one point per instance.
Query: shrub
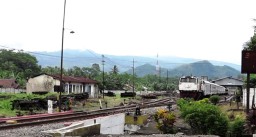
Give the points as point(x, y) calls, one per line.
point(237, 127)
point(204, 118)
point(215, 99)
point(165, 121)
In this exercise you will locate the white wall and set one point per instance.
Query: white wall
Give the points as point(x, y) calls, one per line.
point(40, 83)
point(252, 92)
point(113, 124)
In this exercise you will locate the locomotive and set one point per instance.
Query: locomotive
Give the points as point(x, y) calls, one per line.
point(198, 88)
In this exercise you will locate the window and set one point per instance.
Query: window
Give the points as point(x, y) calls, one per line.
point(190, 80)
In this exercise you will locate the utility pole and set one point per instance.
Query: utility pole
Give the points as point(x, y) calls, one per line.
point(248, 93)
point(167, 80)
point(159, 74)
point(103, 82)
point(61, 61)
point(133, 76)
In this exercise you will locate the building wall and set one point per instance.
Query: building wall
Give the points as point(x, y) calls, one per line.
point(109, 125)
point(251, 93)
point(91, 89)
point(45, 83)
point(40, 83)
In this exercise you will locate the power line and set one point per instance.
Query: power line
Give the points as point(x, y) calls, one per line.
point(98, 58)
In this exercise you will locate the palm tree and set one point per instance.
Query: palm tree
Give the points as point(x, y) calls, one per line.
point(115, 70)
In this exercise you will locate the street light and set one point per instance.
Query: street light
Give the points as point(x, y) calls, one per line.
point(103, 82)
point(61, 61)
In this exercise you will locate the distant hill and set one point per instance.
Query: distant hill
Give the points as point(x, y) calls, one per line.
point(143, 70)
point(204, 68)
point(200, 68)
point(124, 63)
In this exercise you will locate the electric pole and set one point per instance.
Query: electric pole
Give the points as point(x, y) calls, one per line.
point(159, 74)
point(103, 82)
point(133, 76)
point(167, 81)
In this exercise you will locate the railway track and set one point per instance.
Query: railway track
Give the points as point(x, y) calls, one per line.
point(60, 117)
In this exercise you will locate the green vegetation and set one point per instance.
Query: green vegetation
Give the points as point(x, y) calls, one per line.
point(251, 44)
point(17, 65)
point(165, 121)
point(20, 66)
point(205, 118)
point(215, 99)
point(202, 68)
point(7, 98)
point(237, 127)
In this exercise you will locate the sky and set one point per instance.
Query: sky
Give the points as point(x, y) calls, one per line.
point(199, 29)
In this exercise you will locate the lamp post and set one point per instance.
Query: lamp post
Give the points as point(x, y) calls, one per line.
point(103, 82)
point(61, 61)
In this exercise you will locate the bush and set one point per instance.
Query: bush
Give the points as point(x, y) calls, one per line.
point(237, 127)
point(204, 118)
point(165, 121)
point(215, 99)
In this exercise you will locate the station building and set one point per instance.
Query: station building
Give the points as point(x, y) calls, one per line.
point(72, 85)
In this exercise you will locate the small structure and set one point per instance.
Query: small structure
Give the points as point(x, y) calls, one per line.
point(46, 83)
point(230, 83)
point(10, 86)
point(8, 83)
point(106, 125)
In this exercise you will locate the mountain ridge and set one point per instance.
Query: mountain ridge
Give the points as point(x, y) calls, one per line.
point(200, 68)
point(124, 63)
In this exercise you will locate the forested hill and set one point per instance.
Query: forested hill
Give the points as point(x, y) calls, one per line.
point(200, 68)
point(87, 58)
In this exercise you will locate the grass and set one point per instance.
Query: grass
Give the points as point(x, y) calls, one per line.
point(86, 105)
point(7, 113)
point(6, 105)
point(231, 109)
point(94, 103)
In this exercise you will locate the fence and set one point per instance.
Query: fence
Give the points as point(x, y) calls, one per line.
point(11, 90)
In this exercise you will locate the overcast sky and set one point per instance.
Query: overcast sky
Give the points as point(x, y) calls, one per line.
point(202, 29)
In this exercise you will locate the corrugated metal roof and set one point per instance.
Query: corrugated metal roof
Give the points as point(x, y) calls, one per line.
point(229, 77)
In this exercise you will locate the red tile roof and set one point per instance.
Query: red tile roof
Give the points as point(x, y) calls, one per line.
point(74, 79)
point(8, 83)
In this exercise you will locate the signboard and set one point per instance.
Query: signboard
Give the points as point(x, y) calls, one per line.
point(248, 62)
point(57, 88)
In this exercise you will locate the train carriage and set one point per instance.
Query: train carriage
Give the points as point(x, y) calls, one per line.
point(197, 88)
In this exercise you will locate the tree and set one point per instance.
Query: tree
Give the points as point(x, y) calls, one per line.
point(115, 70)
point(96, 67)
point(18, 65)
point(251, 44)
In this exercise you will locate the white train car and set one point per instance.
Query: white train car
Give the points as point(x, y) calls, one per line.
point(210, 88)
point(197, 88)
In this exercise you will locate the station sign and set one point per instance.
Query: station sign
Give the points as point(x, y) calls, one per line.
point(248, 62)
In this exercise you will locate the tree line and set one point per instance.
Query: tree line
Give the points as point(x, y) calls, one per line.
point(21, 66)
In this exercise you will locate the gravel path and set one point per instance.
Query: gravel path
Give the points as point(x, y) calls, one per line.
point(33, 131)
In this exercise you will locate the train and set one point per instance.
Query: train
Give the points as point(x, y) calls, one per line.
point(199, 87)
